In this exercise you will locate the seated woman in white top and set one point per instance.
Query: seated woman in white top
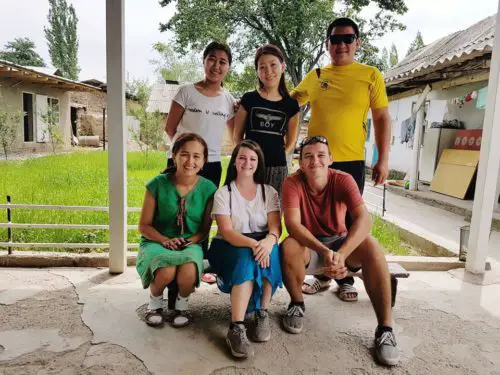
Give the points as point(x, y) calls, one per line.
point(244, 254)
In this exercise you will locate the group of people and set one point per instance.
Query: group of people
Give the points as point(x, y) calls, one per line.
point(327, 222)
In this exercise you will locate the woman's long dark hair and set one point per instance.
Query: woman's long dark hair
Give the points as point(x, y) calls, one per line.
point(259, 176)
point(181, 141)
point(271, 49)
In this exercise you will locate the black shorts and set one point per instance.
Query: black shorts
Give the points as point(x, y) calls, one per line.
point(356, 169)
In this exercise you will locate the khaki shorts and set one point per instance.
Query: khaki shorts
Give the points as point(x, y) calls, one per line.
point(334, 243)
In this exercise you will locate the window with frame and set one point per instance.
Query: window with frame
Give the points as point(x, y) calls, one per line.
point(53, 105)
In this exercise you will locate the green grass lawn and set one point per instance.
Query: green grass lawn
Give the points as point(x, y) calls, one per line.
point(81, 178)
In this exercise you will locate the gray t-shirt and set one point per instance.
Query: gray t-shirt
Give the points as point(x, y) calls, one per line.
point(204, 115)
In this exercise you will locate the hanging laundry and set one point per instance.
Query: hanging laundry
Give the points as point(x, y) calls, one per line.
point(459, 102)
point(482, 97)
point(408, 129)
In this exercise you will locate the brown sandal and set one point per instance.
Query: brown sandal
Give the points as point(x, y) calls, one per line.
point(181, 319)
point(154, 318)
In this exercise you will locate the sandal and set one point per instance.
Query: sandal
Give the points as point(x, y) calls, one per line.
point(209, 278)
point(314, 285)
point(347, 293)
point(181, 319)
point(154, 318)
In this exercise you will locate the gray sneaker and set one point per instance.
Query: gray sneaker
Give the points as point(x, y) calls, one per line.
point(262, 329)
point(386, 349)
point(237, 341)
point(293, 320)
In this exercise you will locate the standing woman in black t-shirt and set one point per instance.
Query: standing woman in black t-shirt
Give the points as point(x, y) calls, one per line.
point(269, 115)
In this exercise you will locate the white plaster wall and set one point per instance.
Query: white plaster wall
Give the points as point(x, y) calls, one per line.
point(400, 154)
point(12, 99)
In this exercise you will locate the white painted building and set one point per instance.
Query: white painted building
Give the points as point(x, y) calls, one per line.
point(454, 67)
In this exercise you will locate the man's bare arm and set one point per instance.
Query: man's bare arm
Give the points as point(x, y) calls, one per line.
point(300, 233)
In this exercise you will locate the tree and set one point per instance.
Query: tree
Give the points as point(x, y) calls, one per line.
point(369, 54)
point(52, 133)
point(9, 127)
point(176, 67)
point(393, 56)
point(150, 134)
point(240, 83)
point(141, 89)
point(385, 59)
point(62, 38)
point(21, 51)
point(297, 27)
point(416, 44)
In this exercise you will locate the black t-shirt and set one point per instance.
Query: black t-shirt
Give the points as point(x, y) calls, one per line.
point(267, 123)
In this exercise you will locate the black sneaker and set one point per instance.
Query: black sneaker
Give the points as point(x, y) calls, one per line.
point(386, 349)
point(293, 320)
point(262, 327)
point(237, 341)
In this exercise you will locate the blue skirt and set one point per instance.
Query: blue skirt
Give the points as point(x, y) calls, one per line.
point(236, 265)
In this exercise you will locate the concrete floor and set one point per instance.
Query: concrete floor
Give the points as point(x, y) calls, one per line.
point(85, 321)
point(435, 224)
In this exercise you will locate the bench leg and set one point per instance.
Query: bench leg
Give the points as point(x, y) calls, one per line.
point(394, 290)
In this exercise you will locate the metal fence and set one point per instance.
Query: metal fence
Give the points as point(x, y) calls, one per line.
point(374, 197)
point(66, 245)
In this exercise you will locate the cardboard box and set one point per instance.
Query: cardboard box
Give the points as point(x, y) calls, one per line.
point(456, 173)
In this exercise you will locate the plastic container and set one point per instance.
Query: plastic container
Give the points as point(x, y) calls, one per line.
point(464, 242)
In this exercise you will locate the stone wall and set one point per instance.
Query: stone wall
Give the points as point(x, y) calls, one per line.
point(89, 112)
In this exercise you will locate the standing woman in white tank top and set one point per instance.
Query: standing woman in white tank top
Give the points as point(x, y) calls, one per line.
point(205, 108)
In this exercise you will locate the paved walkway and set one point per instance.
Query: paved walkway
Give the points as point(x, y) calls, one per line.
point(440, 226)
point(84, 321)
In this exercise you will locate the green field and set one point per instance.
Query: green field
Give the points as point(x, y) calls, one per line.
point(81, 179)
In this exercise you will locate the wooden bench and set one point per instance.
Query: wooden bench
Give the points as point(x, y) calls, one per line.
point(396, 270)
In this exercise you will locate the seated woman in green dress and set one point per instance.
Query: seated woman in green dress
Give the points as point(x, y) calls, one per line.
point(175, 218)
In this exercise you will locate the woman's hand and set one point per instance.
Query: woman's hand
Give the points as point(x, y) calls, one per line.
point(262, 251)
point(173, 243)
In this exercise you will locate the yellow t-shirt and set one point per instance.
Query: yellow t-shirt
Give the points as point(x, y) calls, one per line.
point(340, 100)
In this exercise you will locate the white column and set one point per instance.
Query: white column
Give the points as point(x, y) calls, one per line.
point(117, 135)
point(417, 137)
point(489, 163)
point(415, 155)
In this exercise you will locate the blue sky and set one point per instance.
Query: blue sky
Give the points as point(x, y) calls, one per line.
point(26, 18)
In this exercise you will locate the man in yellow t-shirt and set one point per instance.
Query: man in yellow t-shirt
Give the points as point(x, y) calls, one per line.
point(340, 96)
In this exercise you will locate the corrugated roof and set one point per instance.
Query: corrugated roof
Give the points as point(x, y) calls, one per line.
point(35, 75)
point(461, 45)
point(45, 70)
point(161, 97)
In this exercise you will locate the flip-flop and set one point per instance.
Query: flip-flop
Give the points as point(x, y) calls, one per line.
point(347, 293)
point(314, 285)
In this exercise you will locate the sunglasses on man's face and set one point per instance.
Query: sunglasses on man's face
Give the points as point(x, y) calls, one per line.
point(343, 38)
point(314, 139)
